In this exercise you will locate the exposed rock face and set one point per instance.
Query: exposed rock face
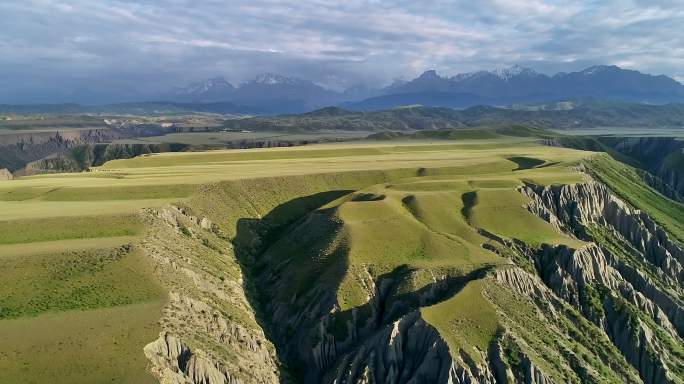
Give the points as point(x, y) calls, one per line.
point(174, 363)
point(408, 348)
point(18, 150)
point(630, 294)
point(573, 207)
point(660, 158)
point(669, 182)
point(573, 274)
point(643, 319)
point(412, 351)
point(209, 334)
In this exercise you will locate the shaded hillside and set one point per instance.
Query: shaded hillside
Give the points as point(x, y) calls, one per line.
point(17, 150)
point(660, 159)
point(479, 133)
point(585, 114)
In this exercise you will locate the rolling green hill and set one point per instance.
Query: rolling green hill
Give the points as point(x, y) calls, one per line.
point(434, 257)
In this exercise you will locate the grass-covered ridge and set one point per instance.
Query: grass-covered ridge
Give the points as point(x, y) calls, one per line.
point(337, 220)
point(628, 183)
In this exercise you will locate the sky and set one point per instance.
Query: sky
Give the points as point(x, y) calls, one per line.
point(53, 51)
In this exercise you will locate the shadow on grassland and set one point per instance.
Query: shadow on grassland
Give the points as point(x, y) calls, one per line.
point(280, 258)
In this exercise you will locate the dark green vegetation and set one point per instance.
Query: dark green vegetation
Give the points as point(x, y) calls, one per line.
point(78, 279)
point(480, 133)
point(628, 183)
point(584, 114)
point(660, 159)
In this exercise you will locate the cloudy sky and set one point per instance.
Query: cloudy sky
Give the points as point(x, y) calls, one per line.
point(52, 50)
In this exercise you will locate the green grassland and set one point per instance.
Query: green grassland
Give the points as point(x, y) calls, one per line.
point(61, 228)
point(66, 262)
point(467, 319)
point(222, 138)
point(629, 185)
point(95, 346)
point(73, 279)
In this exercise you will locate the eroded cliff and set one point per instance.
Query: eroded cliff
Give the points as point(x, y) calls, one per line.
point(280, 281)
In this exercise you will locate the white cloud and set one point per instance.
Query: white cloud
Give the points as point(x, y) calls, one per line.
point(153, 44)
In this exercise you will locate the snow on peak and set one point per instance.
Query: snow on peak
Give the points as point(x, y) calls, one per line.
point(516, 70)
point(597, 69)
point(504, 74)
point(273, 79)
point(205, 86)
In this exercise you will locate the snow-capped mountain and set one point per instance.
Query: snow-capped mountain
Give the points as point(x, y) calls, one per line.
point(484, 83)
point(274, 79)
point(524, 85)
point(273, 93)
point(269, 92)
point(507, 74)
point(284, 94)
point(216, 89)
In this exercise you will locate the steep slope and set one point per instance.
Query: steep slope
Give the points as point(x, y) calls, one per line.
point(367, 286)
point(630, 283)
point(491, 262)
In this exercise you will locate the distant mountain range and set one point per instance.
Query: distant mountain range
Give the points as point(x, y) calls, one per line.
point(272, 94)
point(268, 93)
point(518, 85)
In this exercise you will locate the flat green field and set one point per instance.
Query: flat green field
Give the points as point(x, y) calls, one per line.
point(96, 346)
point(78, 298)
point(221, 138)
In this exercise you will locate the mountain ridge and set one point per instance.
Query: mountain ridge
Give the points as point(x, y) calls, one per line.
point(270, 93)
point(501, 86)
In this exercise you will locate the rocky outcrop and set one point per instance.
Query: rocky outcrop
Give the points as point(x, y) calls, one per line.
point(642, 319)
point(175, 363)
point(671, 175)
point(409, 350)
point(572, 208)
point(412, 351)
point(19, 149)
point(573, 275)
point(661, 159)
point(586, 279)
point(209, 333)
point(636, 342)
point(669, 182)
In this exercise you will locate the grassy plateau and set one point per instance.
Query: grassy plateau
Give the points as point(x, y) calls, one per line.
point(79, 299)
